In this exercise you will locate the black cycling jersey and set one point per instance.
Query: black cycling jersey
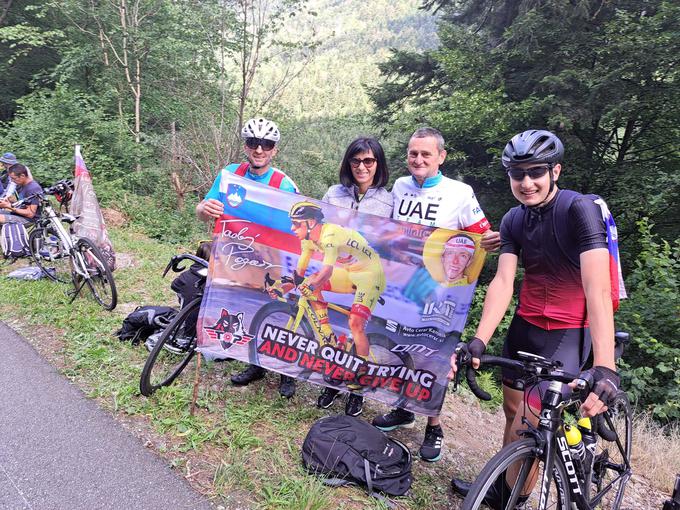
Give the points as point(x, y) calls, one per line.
point(552, 296)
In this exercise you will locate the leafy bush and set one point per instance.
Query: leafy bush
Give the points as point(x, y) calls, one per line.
point(49, 124)
point(651, 366)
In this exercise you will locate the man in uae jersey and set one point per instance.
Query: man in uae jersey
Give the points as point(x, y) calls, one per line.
point(429, 198)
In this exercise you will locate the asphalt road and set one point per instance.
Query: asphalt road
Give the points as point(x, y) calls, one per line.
point(58, 450)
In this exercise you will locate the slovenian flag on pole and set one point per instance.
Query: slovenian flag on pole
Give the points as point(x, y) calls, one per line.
point(85, 207)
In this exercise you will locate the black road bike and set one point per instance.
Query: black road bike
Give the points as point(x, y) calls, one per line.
point(176, 345)
point(593, 478)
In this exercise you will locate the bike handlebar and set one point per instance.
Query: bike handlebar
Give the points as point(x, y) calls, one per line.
point(176, 260)
point(59, 187)
point(535, 366)
point(531, 365)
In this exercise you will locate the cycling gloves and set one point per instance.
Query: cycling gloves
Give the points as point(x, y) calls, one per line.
point(604, 382)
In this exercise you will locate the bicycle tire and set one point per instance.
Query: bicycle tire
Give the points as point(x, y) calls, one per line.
point(611, 468)
point(163, 366)
point(523, 451)
point(285, 312)
point(51, 257)
point(100, 281)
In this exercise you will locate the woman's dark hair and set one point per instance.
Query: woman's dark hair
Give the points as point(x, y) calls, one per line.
point(364, 144)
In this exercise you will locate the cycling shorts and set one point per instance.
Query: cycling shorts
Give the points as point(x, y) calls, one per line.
point(570, 346)
point(367, 286)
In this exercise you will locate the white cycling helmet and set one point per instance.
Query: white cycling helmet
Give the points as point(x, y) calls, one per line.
point(261, 128)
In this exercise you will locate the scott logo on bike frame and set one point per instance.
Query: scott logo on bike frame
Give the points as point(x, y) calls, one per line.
point(229, 330)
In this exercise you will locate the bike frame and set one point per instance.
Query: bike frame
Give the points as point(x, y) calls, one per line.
point(553, 444)
point(304, 308)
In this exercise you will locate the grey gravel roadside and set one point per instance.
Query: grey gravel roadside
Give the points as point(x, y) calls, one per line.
point(58, 450)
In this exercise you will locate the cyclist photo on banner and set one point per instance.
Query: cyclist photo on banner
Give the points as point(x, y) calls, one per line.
point(311, 290)
point(358, 272)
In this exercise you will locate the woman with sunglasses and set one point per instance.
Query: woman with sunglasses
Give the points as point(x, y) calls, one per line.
point(363, 176)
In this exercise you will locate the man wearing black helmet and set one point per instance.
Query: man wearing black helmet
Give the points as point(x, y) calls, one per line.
point(562, 303)
point(260, 137)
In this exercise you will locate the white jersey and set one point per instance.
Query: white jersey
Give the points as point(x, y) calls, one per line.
point(443, 202)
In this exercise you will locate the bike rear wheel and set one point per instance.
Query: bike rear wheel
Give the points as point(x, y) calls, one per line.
point(491, 480)
point(172, 352)
point(100, 279)
point(611, 466)
point(49, 254)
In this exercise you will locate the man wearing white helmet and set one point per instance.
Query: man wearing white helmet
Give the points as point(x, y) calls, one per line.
point(260, 137)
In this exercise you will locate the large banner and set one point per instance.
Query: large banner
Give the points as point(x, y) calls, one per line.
point(410, 286)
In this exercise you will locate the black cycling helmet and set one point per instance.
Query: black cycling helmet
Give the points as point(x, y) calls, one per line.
point(306, 211)
point(533, 146)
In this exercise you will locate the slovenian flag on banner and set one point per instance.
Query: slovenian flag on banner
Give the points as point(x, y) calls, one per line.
point(85, 207)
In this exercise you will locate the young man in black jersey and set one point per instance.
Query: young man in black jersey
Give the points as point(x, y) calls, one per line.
point(562, 305)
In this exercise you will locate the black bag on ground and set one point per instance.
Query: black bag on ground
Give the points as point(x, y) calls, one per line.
point(347, 450)
point(143, 322)
point(186, 285)
point(14, 241)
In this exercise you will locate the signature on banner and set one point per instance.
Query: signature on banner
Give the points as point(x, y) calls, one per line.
point(237, 253)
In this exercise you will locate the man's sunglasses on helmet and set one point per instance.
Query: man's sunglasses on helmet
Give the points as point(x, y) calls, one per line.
point(368, 162)
point(297, 223)
point(254, 143)
point(534, 172)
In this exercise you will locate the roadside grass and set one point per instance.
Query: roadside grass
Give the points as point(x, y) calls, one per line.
point(241, 448)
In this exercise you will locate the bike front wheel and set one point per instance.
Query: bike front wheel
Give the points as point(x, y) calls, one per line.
point(611, 466)
point(173, 350)
point(99, 277)
point(491, 490)
point(49, 254)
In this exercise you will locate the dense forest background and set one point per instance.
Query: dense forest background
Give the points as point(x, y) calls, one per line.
point(156, 91)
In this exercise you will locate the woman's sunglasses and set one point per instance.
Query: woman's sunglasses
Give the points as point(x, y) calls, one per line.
point(368, 162)
point(254, 143)
point(534, 172)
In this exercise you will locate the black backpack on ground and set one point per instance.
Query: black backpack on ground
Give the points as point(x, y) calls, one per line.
point(189, 284)
point(347, 450)
point(143, 322)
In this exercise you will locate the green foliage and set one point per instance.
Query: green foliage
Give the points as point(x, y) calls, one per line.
point(50, 123)
point(602, 75)
point(651, 365)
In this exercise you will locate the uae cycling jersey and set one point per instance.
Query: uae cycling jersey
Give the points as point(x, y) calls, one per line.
point(439, 202)
point(284, 182)
point(552, 296)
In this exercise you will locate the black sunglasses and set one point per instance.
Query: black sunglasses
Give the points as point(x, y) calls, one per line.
point(368, 162)
point(254, 143)
point(534, 172)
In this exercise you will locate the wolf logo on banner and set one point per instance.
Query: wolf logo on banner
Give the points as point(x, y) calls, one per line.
point(319, 289)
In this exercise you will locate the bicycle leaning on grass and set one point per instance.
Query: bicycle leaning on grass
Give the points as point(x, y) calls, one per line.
point(560, 463)
point(64, 257)
point(176, 345)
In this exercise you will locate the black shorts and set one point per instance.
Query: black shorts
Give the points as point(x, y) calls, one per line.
point(570, 346)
